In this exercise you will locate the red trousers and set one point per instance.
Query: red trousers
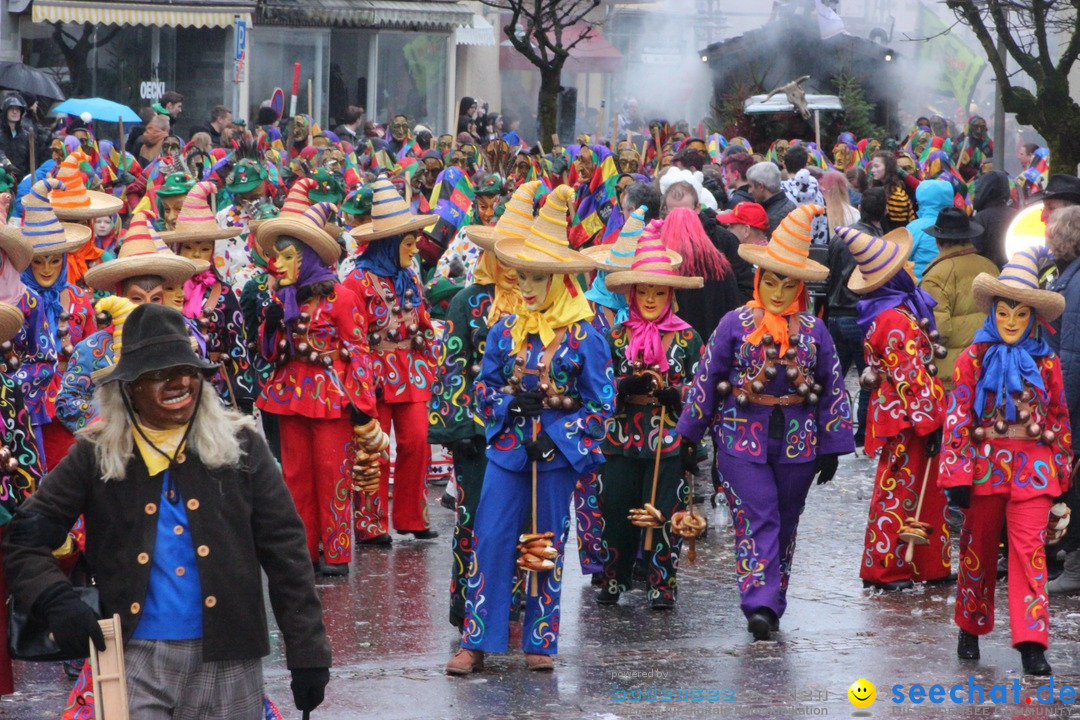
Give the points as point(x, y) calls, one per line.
point(897, 485)
point(57, 440)
point(313, 460)
point(410, 473)
point(1025, 521)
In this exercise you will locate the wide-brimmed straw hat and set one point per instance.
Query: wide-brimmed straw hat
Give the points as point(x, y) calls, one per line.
point(42, 232)
point(139, 255)
point(619, 255)
point(11, 321)
point(877, 259)
point(313, 227)
point(155, 337)
point(788, 250)
point(196, 221)
point(545, 248)
point(390, 214)
point(516, 220)
point(1019, 281)
point(72, 201)
point(651, 264)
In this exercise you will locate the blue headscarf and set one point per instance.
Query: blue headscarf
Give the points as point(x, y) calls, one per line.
point(383, 258)
point(1006, 367)
point(899, 290)
point(50, 295)
point(599, 294)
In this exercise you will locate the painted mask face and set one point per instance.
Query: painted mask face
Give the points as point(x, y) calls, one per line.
point(1012, 320)
point(102, 226)
point(288, 265)
point(507, 277)
point(522, 167)
point(585, 165)
point(697, 145)
point(433, 167)
point(171, 209)
point(170, 146)
point(46, 269)
point(446, 142)
point(457, 159)
point(652, 300)
point(777, 291)
point(166, 398)
point(320, 141)
point(299, 128)
point(201, 250)
point(173, 296)
point(629, 162)
point(399, 128)
point(904, 162)
point(138, 296)
point(978, 130)
point(407, 250)
point(666, 160)
point(534, 288)
point(84, 139)
point(781, 148)
point(877, 169)
point(841, 156)
point(485, 207)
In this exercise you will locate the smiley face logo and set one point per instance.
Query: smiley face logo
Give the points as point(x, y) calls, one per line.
point(862, 693)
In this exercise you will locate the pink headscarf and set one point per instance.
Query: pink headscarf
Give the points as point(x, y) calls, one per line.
point(646, 336)
point(12, 288)
point(195, 292)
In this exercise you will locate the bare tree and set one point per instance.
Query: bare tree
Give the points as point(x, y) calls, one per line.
point(538, 29)
point(1043, 38)
point(76, 50)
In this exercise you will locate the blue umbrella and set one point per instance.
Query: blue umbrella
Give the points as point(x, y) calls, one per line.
point(99, 109)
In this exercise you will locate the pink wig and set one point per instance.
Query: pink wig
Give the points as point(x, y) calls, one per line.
point(682, 232)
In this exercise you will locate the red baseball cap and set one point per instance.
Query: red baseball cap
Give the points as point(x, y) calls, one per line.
point(746, 213)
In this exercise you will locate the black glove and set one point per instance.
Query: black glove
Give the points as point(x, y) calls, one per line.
point(468, 448)
point(540, 450)
point(670, 398)
point(72, 623)
point(274, 315)
point(826, 467)
point(309, 687)
point(933, 443)
point(526, 404)
point(959, 496)
point(689, 457)
point(635, 385)
point(359, 417)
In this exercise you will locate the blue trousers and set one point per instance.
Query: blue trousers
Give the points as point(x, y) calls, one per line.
point(505, 507)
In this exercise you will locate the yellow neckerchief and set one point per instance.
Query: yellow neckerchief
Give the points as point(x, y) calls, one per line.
point(507, 295)
point(165, 440)
point(772, 323)
point(565, 305)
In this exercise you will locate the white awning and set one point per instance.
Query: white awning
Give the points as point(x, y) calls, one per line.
point(478, 32)
point(148, 13)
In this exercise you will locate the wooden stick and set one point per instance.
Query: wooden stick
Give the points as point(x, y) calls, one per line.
point(311, 115)
point(599, 123)
point(33, 154)
point(107, 672)
point(691, 549)
point(614, 131)
point(909, 553)
point(534, 580)
point(656, 472)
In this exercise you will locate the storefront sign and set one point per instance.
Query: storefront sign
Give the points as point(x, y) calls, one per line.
point(151, 90)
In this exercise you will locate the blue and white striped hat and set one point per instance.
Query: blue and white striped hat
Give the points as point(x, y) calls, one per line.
point(1019, 280)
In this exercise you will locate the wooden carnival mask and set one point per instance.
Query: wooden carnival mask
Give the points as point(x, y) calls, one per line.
point(46, 268)
point(1013, 320)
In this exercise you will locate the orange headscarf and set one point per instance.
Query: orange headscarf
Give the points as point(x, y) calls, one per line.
point(771, 323)
point(79, 260)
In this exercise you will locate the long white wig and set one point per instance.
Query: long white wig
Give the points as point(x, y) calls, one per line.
point(214, 435)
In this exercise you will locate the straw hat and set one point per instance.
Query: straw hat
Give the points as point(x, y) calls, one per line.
point(390, 214)
point(515, 221)
point(196, 220)
point(788, 251)
point(11, 321)
point(877, 259)
point(159, 245)
point(139, 255)
point(651, 264)
point(545, 248)
point(1019, 280)
point(620, 254)
point(42, 233)
point(72, 201)
point(312, 226)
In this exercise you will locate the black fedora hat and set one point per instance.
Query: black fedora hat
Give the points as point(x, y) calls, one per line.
point(155, 338)
point(1062, 187)
point(954, 224)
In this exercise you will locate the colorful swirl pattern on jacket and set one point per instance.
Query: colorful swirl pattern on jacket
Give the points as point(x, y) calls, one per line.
point(450, 409)
point(35, 344)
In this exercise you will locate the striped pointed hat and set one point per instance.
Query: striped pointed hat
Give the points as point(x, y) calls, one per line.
point(515, 221)
point(72, 201)
point(620, 254)
point(297, 201)
point(139, 255)
point(546, 248)
point(42, 232)
point(390, 214)
point(196, 220)
point(788, 250)
point(877, 259)
point(1019, 280)
point(652, 264)
point(313, 226)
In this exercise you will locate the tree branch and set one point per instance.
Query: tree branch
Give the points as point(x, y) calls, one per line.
point(1038, 15)
point(107, 39)
point(971, 16)
point(1005, 33)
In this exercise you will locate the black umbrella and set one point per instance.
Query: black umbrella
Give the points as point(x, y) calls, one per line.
point(16, 76)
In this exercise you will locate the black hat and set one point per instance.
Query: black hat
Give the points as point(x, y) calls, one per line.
point(1062, 187)
point(954, 224)
point(155, 338)
point(266, 116)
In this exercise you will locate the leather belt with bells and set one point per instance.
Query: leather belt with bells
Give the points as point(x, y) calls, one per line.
point(753, 391)
point(552, 399)
point(380, 340)
point(1026, 429)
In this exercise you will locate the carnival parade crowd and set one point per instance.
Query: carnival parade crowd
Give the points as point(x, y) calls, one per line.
point(251, 351)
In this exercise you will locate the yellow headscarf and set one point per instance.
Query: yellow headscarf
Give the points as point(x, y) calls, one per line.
point(565, 305)
point(507, 295)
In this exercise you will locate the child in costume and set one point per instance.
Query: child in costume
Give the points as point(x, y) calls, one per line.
point(655, 355)
point(1006, 457)
point(907, 408)
point(246, 184)
point(544, 394)
point(770, 389)
point(403, 348)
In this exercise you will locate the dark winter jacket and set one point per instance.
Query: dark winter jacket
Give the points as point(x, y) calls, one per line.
point(777, 207)
point(1066, 341)
point(994, 213)
point(726, 242)
point(841, 301)
point(737, 196)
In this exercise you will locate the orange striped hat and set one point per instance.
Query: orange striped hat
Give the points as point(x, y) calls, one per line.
point(196, 220)
point(546, 248)
point(72, 201)
point(139, 255)
point(788, 251)
point(515, 221)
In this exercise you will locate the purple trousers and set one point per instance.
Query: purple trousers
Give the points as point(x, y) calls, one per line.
point(765, 501)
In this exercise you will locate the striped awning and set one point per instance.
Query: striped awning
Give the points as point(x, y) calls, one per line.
point(479, 32)
point(141, 13)
point(412, 15)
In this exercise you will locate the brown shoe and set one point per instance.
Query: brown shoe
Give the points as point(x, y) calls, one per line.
point(465, 662)
point(539, 663)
